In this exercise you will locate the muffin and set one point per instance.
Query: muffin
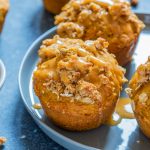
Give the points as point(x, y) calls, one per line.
point(78, 83)
point(54, 6)
point(112, 20)
point(139, 92)
point(4, 6)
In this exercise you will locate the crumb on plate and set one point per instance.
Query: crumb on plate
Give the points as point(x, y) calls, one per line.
point(2, 140)
point(37, 106)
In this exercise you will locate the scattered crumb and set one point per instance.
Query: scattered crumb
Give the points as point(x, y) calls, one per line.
point(23, 137)
point(2, 140)
point(37, 106)
point(134, 2)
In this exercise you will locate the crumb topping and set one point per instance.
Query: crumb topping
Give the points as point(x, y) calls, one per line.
point(141, 77)
point(81, 71)
point(90, 19)
point(37, 106)
point(128, 91)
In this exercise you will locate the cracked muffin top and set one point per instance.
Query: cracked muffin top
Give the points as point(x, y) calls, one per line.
point(111, 19)
point(78, 71)
point(139, 92)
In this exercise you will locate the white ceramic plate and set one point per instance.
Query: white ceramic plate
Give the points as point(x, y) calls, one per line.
point(125, 136)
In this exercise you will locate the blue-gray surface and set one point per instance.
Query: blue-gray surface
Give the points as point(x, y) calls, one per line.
point(25, 21)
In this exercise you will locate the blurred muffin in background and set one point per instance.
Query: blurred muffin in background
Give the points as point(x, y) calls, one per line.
point(109, 19)
point(54, 6)
point(78, 83)
point(139, 92)
point(4, 6)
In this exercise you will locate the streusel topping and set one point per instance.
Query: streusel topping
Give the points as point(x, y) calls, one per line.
point(82, 71)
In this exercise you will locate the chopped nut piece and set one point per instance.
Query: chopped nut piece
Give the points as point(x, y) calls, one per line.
point(143, 98)
point(87, 100)
point(2, 140)
point(87, 92)
point(129, 91)
point(37, 106)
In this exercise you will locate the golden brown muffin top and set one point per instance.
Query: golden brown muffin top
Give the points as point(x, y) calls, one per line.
point(82, 71)
point(90, 19)
point(140, 78)
point(139, 92)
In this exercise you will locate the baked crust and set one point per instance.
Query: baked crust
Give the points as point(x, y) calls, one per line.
point(4, 6)
point(78, 83)
point(139, 92)
point(54, 6)
point(112, 20)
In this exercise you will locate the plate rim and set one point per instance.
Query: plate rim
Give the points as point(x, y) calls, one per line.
point(34, 116)
point(3, 69)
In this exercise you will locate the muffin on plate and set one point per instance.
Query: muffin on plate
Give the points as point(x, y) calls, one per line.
point(111, 19)
point(78, 83)
point(139, 92)
point(4, 6)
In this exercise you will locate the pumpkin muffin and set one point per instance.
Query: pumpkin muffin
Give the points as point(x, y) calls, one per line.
point(4, 6)
point(78, 83)
point(139, 92)
point(112, 20)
